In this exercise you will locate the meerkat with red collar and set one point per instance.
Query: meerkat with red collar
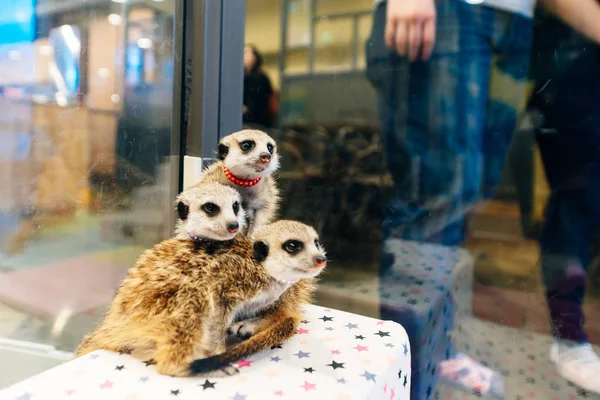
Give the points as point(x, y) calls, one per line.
point(246, 161)
point(182, 295)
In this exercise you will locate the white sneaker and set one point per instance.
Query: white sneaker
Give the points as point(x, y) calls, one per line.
point(577, 363)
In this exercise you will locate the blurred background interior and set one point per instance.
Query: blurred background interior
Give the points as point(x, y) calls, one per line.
point(87, 161)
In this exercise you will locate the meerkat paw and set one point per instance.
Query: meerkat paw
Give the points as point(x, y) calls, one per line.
point(243, 329)
point(220, 373)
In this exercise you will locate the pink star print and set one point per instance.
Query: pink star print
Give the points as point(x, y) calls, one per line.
point(380, 323)
point(106, 385)
point(69, 392)
point(392, 394)
point(361, 348)
point(308, 386)
point(279, 393)
point(244, 363)
point(385, 388)
point(335, 352)
point(302, 331)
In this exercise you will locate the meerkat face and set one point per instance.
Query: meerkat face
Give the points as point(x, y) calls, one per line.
point(289, 250)
point(249, 154)
point(210, 211)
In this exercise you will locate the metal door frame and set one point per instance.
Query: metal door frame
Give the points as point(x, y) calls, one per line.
point(208, 47)
point(213, 44)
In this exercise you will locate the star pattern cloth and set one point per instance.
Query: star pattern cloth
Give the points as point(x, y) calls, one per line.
point(352, 361)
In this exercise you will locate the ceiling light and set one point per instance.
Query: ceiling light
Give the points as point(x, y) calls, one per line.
point(119, 1)
point(114, 19)
point(144, 43)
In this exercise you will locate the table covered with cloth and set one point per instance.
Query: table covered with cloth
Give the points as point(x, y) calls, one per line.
point(334, 355)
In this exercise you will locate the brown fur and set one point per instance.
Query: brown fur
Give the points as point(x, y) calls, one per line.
point(181, 296)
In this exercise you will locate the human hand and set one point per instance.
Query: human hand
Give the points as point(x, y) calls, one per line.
point(410, 24)
point(244, 109)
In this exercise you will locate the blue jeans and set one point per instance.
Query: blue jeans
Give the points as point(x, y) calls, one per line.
point(447, 122)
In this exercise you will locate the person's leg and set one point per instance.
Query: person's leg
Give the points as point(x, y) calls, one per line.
point(565, 245)
point(433, 119)
point(569, 146)
point(570, 149)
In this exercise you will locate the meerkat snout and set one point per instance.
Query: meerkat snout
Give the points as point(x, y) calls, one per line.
point(209, 212)
point(320, 261)
point(264, 158)
point(233, 227)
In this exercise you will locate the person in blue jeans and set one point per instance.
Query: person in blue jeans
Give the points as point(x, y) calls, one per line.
point(450, 77)
point(567, 96)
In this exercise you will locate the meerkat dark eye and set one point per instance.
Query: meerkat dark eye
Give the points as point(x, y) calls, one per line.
point(292, 246)
point(270, 147)
point(317, 242)
point(210, 209)
point(247, 145)
point(236, 208)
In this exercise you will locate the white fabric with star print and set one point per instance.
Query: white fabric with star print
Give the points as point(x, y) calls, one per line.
point(334, 356)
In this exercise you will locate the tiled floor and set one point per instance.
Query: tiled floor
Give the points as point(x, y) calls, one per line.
point(520, 356)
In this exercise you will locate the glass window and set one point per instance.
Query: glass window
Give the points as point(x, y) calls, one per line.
point(455, 188)
point(86, 94)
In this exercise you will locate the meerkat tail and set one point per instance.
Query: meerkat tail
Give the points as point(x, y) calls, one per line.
point(272, 336)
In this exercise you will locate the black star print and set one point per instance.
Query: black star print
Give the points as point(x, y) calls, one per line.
point(277, 346)
point(359, 337)
point(335, 365)
point(120, 367)
point(412, 302)
point(310, 369)
point(208, 385)
point(383, 334)
point(399, 374)
point(149, 362)
point(405, 381)
point(124, 351)
point(582, 393)
point(175, 392)
point(325, 318)
point(531, 381)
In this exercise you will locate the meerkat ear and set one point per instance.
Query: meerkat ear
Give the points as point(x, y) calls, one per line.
point(222, 151)
point(261, 251)
point(182, 210)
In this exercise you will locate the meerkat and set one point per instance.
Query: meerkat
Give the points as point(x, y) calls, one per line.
point(209, 211)
point(246, 161)
point(182, 295)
